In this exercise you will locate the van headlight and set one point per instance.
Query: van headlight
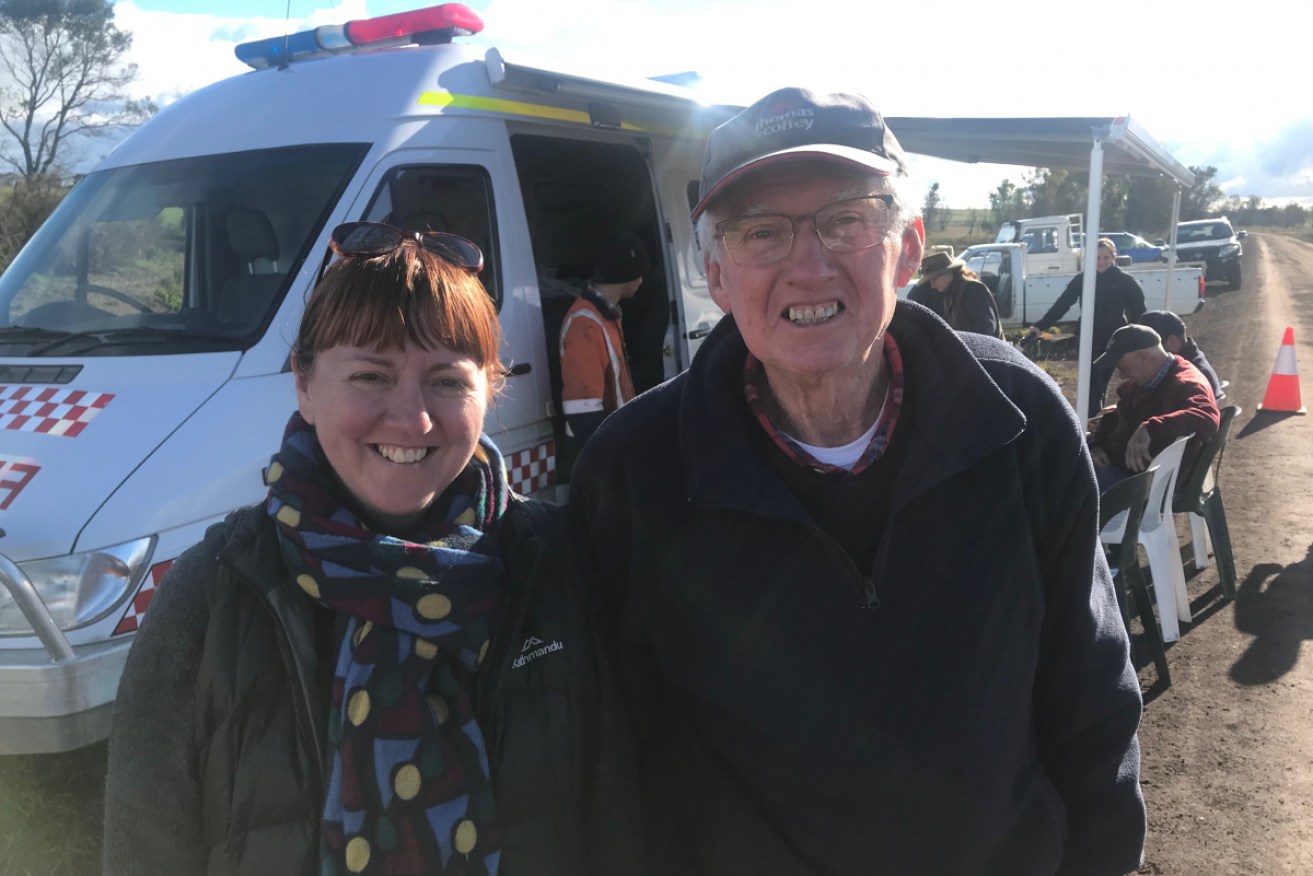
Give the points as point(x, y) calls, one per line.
point(79, 589)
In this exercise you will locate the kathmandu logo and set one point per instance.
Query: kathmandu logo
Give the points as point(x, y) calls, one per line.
point(801, 118)
point(533, 649)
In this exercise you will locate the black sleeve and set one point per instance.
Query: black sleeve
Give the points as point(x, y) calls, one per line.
point(153, 813)
point(982, 310)
point(582, 426)
point(1134, 298)
point(1063, 304)
point(1087, 696)
point(611, 823)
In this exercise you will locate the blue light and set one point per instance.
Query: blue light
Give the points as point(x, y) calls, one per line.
point(270, 52)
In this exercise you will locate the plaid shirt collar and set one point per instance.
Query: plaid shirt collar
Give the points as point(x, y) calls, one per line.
point(879, 441)
point(1162, 372)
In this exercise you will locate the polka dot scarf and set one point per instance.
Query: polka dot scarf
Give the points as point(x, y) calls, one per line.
point(409, 789)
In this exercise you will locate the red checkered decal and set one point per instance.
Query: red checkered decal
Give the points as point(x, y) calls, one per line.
point(49, 410)
point(15, 473)
point(131, 619)
point(531, 470)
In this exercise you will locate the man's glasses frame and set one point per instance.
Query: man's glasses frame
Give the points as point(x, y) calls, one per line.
point(830, 224)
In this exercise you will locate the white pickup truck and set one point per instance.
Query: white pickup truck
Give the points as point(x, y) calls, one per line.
point(1033, 265)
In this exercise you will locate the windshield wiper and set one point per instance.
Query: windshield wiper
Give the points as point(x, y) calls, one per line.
point(18, 333)
point(60, 337)
point(127, 336)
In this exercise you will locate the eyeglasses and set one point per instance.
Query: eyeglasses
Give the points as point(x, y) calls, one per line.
point(368, 239)
point(844, 226)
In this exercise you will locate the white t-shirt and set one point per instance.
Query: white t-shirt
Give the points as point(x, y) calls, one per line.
point(846, 456)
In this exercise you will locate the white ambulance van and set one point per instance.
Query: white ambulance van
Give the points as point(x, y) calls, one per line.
point(145, 329)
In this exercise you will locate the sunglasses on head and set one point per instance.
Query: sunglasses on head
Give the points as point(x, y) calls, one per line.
point(367, 239)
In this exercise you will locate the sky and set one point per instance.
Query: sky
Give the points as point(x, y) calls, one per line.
point(1216, 83)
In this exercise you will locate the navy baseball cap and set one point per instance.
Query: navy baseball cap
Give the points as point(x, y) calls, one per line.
point(794, 123)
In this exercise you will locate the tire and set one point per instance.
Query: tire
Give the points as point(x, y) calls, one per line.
point(1233, 278)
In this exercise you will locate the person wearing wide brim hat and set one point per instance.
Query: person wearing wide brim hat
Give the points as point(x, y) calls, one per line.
point(956, 295)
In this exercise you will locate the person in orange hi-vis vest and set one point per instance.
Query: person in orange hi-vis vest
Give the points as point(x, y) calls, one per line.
point(595, 378)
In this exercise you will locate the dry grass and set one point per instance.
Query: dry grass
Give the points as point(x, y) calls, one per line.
point(51, 811)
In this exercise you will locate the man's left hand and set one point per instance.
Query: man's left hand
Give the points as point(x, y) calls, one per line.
point(1138, 456)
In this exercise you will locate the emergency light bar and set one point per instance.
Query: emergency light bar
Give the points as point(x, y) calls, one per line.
point(430, 26)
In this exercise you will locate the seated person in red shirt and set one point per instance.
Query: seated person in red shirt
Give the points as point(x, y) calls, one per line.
point(1162, 398)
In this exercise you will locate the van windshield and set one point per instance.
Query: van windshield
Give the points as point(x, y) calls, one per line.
point(178, 256)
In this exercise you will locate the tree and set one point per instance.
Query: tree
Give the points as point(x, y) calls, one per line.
point(1113, 202)
point(931, 205)
point(1051, 192)
point(1149, 205)
point(1293, 216)
point(1006, 202)
point(29, 200)
point(1198, 200)
point(62, 75)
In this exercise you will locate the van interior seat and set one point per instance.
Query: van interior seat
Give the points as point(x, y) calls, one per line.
point(245, 298)
point(425, 221)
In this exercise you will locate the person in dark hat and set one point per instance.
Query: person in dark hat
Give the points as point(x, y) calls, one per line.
point(595, 378)
point(1171, 328)
point(1161, 398)
point(956, 295)
point(849, 559)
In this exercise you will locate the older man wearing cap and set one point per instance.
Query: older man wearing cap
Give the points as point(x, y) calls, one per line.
point(1162, 398)
point(956, 295)
point(850, 558)
point(595, 378)
point(1171, 328)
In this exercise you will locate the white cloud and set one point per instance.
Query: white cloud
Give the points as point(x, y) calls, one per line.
point(1065, 62)
point(178, 52)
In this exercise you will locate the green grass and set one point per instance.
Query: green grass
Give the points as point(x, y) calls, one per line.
point(51, 811)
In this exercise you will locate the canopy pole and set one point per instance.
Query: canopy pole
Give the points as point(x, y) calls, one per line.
point(1171, 247)
point(1091, 273)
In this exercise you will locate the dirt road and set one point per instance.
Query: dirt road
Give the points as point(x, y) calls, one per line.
point(1228, 748)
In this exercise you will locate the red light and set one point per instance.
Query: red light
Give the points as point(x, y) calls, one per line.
point(455, 17)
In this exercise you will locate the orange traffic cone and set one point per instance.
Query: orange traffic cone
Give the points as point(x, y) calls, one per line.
point(1283, 388)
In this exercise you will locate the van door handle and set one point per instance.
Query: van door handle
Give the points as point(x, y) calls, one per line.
point(697, 334)
point(519, 369)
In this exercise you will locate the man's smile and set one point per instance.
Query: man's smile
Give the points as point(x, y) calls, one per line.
point(813, 314)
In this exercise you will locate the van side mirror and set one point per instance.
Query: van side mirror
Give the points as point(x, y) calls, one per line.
point(1241, 235)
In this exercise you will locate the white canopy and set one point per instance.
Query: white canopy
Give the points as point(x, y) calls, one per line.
point(1116, 145)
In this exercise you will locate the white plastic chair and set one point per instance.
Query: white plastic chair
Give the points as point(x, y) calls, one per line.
point(1158, 535)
